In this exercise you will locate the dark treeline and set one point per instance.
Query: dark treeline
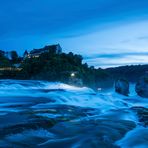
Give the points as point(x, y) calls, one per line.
point(9, 58)
point(131, 73)
point(67, 68)
point(53, 66)
point(59, 67)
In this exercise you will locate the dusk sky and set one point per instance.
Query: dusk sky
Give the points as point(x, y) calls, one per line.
point(106, 32)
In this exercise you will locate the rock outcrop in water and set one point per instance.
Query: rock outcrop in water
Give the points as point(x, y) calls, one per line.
point(142, 114)
point(142, 86)
point(122, 87)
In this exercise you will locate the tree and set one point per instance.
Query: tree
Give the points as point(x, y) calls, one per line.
point(2, 53)
point(25, 54)
point(14, 56)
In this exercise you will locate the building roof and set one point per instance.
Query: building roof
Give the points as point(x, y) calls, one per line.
point(46, 49)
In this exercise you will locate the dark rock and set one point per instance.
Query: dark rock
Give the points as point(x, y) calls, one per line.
point(142, 115)
point(142, 86)
point(122, 87)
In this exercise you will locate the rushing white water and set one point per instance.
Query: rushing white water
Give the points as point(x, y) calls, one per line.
point(78, 110)
point(137, 138)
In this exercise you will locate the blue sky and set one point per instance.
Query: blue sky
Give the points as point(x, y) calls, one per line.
point(106, 32)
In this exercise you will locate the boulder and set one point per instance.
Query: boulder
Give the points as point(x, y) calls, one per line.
point(122, 87)
point(142, 86)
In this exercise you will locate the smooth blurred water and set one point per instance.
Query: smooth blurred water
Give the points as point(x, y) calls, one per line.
point(49, 114)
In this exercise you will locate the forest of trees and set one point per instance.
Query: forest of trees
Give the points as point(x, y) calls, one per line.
point(13, 59)
point(131, 73)
point(52, 66)
point(58, 67)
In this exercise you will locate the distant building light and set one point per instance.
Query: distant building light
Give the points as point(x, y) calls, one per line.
point(10, 69)
point(99, 89)
point(72, 74)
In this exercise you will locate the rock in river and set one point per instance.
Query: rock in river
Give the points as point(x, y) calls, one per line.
point(122, 87)
point(142, 86)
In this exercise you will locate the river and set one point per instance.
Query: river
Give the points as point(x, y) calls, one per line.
point(56, 115)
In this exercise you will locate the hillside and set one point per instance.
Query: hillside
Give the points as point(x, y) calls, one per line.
point(51, 64)
point(131, 73)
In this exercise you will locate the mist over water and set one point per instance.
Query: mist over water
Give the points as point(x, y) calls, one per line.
point(53, 114)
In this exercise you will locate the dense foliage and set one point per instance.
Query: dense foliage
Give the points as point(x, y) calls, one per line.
point(131, 73)
point(58, 67)
point(53, 66)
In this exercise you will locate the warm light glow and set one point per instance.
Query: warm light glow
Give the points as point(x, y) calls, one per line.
point(10, 69)
point(72, 74)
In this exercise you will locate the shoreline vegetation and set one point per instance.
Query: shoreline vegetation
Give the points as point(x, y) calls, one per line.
point(51, 64)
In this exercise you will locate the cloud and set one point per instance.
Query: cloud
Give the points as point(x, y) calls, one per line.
point(143, 38)
point(84, 27)
point(49, 17)
point(116, 55)
point(126, 41)
point(113, 60)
